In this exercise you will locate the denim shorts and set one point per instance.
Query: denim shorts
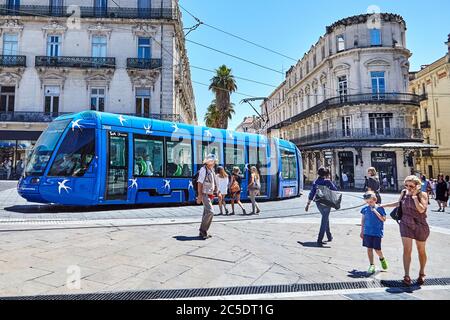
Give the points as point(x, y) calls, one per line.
point(372, 242)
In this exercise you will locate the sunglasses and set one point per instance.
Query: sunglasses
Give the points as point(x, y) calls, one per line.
point(410, 186)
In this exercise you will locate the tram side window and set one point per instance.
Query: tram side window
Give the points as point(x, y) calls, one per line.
point(148, 156)
point(204, 149)
point(179, 158)
point(288, 165)
point(234, 157)
point(75, 154)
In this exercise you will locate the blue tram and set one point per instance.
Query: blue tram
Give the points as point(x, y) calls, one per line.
point(94, 158)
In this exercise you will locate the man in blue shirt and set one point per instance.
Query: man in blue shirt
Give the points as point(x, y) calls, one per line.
point(372, 226)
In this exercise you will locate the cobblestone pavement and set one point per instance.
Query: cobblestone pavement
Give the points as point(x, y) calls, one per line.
point(157, 248)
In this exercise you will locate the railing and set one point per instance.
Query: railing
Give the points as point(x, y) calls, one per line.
point(75, 62)
point(423, 97)
point(138, 63)
point(355, 99)
point(13, 61)
point(425, 124)
point(88, 12)
point(427, 153)
point(25, 116)
point(360, 134)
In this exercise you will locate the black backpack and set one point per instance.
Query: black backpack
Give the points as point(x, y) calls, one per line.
point(195, 181)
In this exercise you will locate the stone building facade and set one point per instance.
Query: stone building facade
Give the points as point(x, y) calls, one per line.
point(346, 102)
point(433, 117)
point(64, 56)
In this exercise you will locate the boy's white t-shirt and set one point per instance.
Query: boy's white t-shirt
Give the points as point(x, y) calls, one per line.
point(222, 184)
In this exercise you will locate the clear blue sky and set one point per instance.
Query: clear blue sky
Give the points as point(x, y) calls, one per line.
point(292, 27)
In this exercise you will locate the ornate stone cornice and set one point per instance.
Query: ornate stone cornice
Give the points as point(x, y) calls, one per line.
point(364, 18)
point(11, 78)
point(54, 28)
point(50, 76)
point(143, 78)
point(144, 30)
point(98, 77)
point(99, 29)
point(11, 26)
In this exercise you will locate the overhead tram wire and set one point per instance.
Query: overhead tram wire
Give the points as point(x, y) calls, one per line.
point(239, 37)
point(222, 89)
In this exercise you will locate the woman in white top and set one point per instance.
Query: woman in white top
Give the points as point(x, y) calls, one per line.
point(222, 185)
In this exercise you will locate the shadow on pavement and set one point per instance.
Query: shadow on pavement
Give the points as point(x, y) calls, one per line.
point(313, 245)
point(185, 238)
point(356, 274)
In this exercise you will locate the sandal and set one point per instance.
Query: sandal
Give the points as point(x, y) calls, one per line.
point(421, 279)
point(407, 281)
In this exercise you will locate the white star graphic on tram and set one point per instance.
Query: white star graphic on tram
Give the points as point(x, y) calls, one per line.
point(191, 185)
point(166, 184)
point(76, 124)
point(147, 129)
point(230, 134)
point(246, 166)
point(122, 119)
point(62, 185)
point(175, 127)
point(208, 133)
point(133, 183)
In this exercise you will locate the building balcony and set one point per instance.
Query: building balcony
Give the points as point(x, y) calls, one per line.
point(366, 134)
point(26, 116)
point(144, 64)
point(349, 100)
point(88, 12)
point(423, 97)
point(427, 153)
point(13, 61)
point(425, 124)
point(76, 62)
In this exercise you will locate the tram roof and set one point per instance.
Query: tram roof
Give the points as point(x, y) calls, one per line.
point(146, 124)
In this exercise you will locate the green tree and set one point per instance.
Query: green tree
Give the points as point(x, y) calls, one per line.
point(213, 116)
point(223, 84)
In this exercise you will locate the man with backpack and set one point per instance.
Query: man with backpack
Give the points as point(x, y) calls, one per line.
point(207, 187)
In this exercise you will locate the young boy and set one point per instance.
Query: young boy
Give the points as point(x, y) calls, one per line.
point(372, 225)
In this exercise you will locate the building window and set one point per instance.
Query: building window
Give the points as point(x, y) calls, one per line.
point(53, 46)
point(439, 137)
point(323, 52)
point(144, 7)
point(100, 7)
point(99, 46)
point(324, 91)
point(57, 7)
point(375, 37)
point(14, 4)
point(380, 124)
point(347, 126)
point(301, 73)
point(314, 60)
point(143, 102)
point(8, 95)
point(316, 96)
point(343, 88)
point(144, 48)
point(10, 44)
point(340, 40)
point(51, 103)
point(98, 99)
point(437, 107)
point(378, 85)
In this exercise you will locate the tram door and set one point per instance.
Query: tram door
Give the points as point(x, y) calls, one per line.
point(117, 166)
point(257, 156)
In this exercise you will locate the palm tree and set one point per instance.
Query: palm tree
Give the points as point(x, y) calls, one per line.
point(223, 85)
point(213, 116)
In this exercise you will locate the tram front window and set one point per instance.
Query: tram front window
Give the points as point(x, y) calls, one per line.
point(39, 158)
point(75, 154)
point(289, 165)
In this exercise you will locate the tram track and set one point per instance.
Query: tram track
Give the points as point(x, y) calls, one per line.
point(99, 223)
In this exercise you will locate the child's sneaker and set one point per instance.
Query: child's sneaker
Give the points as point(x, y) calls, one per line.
point(371, 269)
point(384, 264)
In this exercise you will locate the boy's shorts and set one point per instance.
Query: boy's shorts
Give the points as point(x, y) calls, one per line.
point(372, 242)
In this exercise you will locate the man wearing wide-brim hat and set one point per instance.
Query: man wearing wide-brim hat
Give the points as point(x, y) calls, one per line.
point(206, 188)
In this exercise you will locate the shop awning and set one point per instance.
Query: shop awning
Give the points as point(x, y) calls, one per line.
point(369, 144)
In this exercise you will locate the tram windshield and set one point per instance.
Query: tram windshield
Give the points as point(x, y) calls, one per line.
point(39, 158)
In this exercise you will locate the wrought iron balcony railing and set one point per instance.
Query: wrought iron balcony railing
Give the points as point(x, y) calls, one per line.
point(76, 62)
point(425, 124)
point(354, 99)
point(403, 134)
point(25, 116)
point(423, 97)
point(139, 63)
point(13, 61)
point(427, 153)
point(88, 12)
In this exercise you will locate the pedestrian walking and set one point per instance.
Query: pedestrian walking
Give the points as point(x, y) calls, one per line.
point(344, 180)
point(426, 187)
point(206, 188)
point(441, 193)
point(254, 187)
point(235, 190)
point(8, 167)
point(372, 226)
point(373, 183)
point(223, 182)
point(322, 180)
point(433, 183)
point(413, 225)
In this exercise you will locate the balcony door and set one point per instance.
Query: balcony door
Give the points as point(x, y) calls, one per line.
point(10, 44)
point(143, 102)
point(343, 88)
point(53, 46)
point(98, 99)
point(51, 100)
point(378, 85)
point(100, 8)
point(14, 4)
point(144, 8)
point(144, 48)
point(99, 47)
point(8, 95)
point(57, 7)
point(347, 126)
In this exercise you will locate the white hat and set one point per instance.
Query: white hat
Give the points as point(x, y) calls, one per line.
point(210, 158)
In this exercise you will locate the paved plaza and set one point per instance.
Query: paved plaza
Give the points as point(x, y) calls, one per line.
point(45, 250)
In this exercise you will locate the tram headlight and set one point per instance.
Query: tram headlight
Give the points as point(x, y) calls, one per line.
point(35, 180)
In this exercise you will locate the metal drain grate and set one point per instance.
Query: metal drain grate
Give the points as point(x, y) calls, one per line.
point(231, 291)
